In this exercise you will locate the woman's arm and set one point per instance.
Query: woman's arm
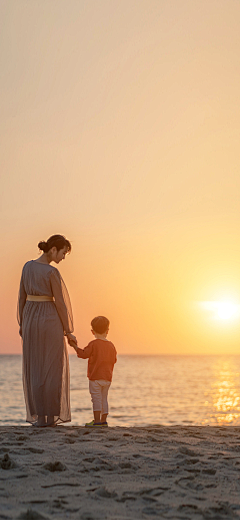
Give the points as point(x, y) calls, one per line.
point(62, 301)
point(22, 296)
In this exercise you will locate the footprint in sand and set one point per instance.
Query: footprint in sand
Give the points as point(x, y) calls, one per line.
point(68, 440)
point(104, 493)
point(7, 463)
point(35, 450)
point(209, 471)
point(187, 451)
point(149, 511)
point(31, 515)
point(189, 508)
point(223, 511)
point(59, 503)
point(54, 466)
point(87, 516)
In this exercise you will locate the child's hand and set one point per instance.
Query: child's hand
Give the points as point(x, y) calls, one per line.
point(72, 343)
point(72, 340)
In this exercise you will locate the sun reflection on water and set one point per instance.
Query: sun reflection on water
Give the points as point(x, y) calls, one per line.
point(225, 393)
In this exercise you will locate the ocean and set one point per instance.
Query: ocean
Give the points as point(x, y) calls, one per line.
point(166, 390)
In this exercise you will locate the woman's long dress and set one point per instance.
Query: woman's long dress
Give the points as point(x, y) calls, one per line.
point(45, 357)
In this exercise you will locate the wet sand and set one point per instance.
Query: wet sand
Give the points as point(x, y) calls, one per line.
point(120, 473)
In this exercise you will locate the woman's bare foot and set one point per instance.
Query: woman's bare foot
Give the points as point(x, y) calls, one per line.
point(41, 420)
point(50, 421)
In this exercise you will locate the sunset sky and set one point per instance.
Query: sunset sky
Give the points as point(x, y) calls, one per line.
point(120, 128)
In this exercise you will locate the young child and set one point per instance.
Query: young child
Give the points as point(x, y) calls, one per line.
point(102, 356)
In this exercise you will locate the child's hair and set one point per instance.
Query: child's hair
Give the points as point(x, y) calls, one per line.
point(100, 324)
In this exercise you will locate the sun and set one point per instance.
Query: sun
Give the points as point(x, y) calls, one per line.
point(226, 310)
point(223, 310)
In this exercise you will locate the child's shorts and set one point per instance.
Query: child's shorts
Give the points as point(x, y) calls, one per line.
point(99, 391)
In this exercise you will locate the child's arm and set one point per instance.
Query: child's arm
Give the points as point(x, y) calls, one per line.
point(81, 353)
point(84, 353)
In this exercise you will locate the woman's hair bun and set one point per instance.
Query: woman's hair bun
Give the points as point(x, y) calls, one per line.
point(43, 246)
point(58, 241)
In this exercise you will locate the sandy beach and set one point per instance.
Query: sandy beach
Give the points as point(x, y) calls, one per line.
point(120, 473)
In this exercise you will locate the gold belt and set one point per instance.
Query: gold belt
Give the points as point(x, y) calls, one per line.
point(32, 298)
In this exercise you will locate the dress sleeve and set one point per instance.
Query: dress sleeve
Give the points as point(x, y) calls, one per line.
point(22, 296)
point(62, 301)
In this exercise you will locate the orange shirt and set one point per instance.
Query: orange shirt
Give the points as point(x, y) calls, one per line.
point(102, 357)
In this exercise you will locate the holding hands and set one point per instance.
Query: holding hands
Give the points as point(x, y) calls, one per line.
point(72, 340)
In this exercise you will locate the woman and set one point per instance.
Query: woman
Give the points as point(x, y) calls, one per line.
point(44, 317)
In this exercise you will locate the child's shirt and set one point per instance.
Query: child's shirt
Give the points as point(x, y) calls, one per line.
point(102, 357)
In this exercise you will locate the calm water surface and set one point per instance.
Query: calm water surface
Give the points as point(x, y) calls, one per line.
point(146, 390)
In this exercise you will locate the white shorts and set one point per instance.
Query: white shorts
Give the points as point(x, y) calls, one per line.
point(99, 392)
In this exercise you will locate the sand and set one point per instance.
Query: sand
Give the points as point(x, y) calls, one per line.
point(120, 473)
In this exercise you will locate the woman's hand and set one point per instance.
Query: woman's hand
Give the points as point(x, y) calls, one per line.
point(72, 340)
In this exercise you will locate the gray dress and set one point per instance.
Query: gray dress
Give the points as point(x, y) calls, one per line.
point(45, 358)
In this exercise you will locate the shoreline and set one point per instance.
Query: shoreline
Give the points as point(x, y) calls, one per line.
point(185, 472)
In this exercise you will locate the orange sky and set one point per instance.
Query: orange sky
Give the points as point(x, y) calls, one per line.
point(119, 128)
